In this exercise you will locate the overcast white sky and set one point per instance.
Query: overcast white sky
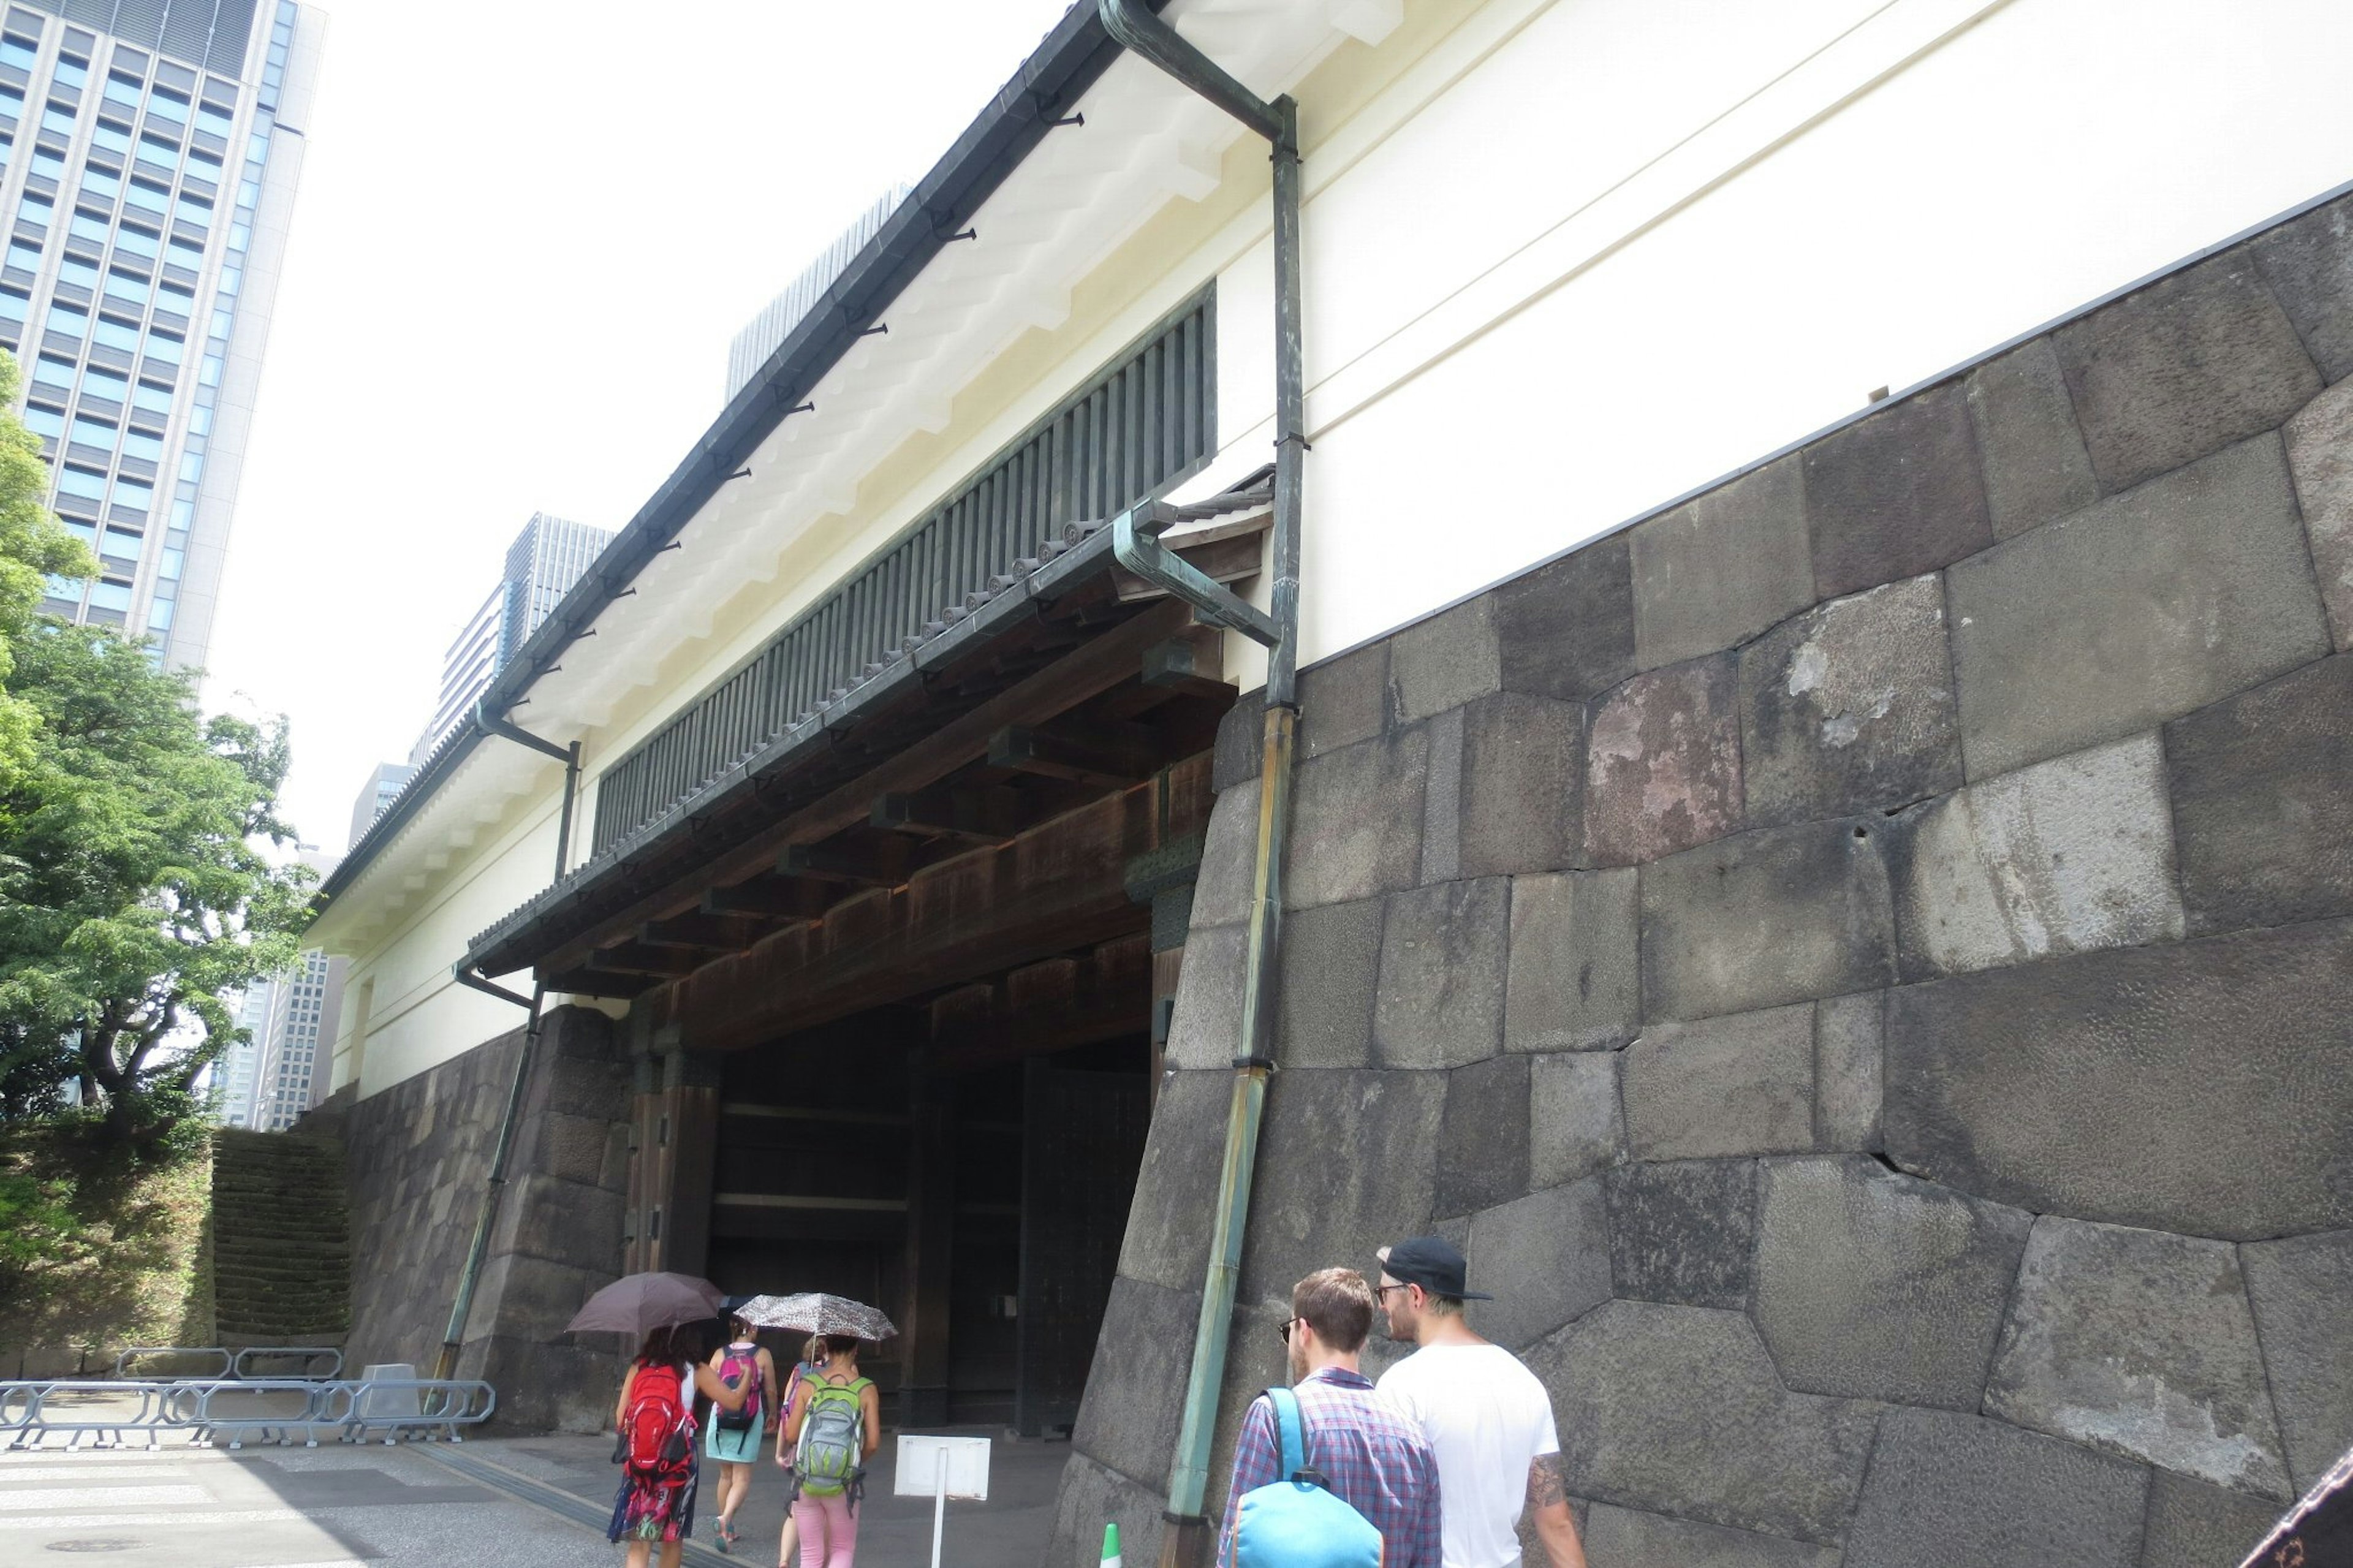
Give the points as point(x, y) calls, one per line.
point(527, 230)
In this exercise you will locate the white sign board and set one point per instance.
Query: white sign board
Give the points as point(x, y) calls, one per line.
point(935, 1467)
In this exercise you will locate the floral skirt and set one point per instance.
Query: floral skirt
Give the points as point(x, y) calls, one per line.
point(645, 1511)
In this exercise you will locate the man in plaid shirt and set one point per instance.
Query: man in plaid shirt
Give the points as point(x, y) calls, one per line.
point(1370, 1457)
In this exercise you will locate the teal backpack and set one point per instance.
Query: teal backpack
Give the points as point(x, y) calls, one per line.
point(1293, 1521)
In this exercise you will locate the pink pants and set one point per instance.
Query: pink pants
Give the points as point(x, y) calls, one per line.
point(829, 1531)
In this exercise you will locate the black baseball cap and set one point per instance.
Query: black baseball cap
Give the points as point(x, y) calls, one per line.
point(1432, 1262)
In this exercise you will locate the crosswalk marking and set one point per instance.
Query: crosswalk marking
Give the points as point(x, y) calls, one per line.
point(112, 1497)
point(152, 1521)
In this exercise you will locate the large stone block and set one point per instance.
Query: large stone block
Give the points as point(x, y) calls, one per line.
point(1444, 953)
point(1573, 1121)
point(2302, 1290)
point(2067, 856)
point(1677, 1410)
point(1167, 1238)
point(2202, 1087)
point(565, 1222)
point(2139, 1342)
point(1343, 701)
point(1682, 1231)
point(1141, 1357)
point(1092, 1496)
point(1574, 982)
point(2134, 611)
point(1347, 1163)
point(2320, 455)
point(1628, 1538)
point(1544, 1258)
point(1522, 785)
point(1441, 799)
point(1950, 1490)
point(530, 1299)
point(1207, 1029)
point(1722, 567)
point(1239, 749)
point(2193, 1525)
point(1850, 706)
point(1223, 886)
point(1356, 821)
point(1778, 915)
point(2309, 265)
point(1742, 1084)
point(1566, 630)
point(2182, 368)
point(2263, 801)
point(1483, 1143)
point(1876, 1286)
point(2035, 464)
point(1896, 494)
point(1331, 970)
point(1848, 1075)
point(1445, 661)
point(1663, 763)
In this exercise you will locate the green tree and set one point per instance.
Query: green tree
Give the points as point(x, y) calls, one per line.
point(136, 889)
point(33, 546)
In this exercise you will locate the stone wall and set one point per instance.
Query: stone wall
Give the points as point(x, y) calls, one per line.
point(419, 1154)
point(1862, 961)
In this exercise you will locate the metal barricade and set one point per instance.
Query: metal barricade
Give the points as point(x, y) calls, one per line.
point(308, 1356)
point(30, 1412)
point(408, 1406)
point(284, 1411)
point(146, 1353)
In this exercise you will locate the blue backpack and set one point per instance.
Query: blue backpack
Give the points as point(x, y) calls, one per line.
point(1293, 1521)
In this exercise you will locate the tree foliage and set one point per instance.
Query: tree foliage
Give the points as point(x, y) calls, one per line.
point(33, 547)
point(136, 890)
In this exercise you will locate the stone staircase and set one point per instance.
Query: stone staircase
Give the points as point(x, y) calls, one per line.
point(282, 1238)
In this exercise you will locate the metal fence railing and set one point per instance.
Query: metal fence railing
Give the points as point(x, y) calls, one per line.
point(107, 1413)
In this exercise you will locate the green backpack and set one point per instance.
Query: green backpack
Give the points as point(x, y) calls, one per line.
point(832, 1450)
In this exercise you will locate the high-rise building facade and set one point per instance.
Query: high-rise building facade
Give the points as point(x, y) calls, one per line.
point(152, 152)
point(239, 1069)
point(302, 1003)
point(377, 795)
point(546, 558)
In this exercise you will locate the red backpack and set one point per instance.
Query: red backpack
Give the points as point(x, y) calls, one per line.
point(658, 1429)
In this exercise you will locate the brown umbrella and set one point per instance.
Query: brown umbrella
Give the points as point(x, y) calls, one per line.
point(636, 1304)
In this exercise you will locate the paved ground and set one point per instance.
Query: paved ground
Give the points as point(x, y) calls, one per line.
point(521, 1502)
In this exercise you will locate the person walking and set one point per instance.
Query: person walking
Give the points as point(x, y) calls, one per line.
point(1370, 1456)
point(1487, 1419)
point(733, 1439)
point(835, 1425)
point(811, 1363)
point(655, 1419)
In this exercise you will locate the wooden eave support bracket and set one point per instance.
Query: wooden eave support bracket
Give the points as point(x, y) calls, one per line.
point(1105, 752)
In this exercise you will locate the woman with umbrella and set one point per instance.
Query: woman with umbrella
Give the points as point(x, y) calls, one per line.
point(833, 1423)
point(655, 1413)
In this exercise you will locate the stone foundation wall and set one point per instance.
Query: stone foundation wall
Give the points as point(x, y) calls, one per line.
point(1862, 961)
point(418, 1155)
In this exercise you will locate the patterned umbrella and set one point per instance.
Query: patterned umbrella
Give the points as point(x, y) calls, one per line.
point(816, 1312)
point(636, 1304)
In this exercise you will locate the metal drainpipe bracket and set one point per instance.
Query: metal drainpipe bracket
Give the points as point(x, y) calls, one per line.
point(1135, 544)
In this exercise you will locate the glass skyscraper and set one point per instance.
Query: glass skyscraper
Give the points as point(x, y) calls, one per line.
point(152, 149)
point(546, 558)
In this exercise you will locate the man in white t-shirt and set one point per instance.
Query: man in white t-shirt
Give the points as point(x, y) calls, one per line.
point(1487, 1418)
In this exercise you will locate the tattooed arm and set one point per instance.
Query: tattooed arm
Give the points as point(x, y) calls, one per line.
point(1548, 1512)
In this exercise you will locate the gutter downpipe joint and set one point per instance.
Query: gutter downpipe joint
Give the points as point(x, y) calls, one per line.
point(445, 1364)
point(1189, 1538)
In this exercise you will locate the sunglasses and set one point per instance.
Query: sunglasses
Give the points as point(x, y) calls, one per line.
point(1282, 1330)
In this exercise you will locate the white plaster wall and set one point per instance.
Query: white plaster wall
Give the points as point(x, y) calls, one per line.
point(1576, 257)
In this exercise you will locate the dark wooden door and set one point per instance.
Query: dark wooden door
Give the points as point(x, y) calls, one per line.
point(1083, 1140)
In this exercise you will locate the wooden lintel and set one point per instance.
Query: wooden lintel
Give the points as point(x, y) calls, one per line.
point(586, 981)
point(642, 958)
point(772, 897)
point(1106, 753)
point(1193, 661)
point(699, 932)
point(1092, 666)
point(1228, 561)
point(990, 816)
point(882, 864)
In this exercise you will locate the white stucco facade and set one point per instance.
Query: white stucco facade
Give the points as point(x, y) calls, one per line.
point(1566, 260)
